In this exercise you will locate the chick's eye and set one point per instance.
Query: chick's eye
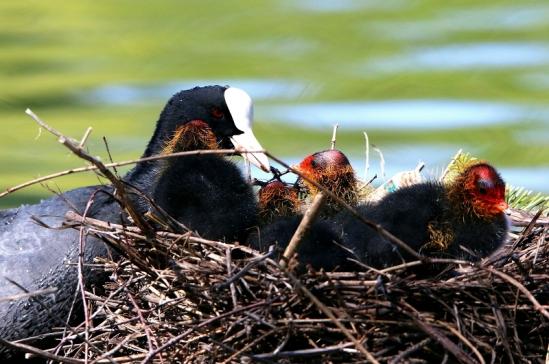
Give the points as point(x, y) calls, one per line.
point(483, 187)
point(217, 112)
point(313, 163)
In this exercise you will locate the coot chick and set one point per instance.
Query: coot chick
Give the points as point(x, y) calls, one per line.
point(464, 220)
point(277, 200)
point(320, 247)
point(36, 257)
point(331, 169)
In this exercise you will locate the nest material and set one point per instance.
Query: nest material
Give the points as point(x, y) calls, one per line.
point(178, 298)
point(210, 302)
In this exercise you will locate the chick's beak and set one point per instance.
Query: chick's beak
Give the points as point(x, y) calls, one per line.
point(241, 108)
point(502, 206)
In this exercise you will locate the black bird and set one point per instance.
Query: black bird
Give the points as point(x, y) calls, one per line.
point(464, 220)
point(206, 193)
point(320, 247)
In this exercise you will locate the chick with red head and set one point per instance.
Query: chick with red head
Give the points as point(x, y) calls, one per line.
point(463, 220)
point(277, 200)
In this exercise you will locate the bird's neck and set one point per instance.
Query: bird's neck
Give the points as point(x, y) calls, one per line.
point(193, 135)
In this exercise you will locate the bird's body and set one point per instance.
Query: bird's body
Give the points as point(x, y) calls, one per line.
point(207, 194)
point(192, 189)
point(320, 247)
point(38, 258)
point(433, 219)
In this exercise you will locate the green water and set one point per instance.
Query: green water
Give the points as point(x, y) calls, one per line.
point(54, 53)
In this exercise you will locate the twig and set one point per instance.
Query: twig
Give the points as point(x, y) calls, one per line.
point(41, 353)
point(40, 292)
point(435, 334)
point(120, 164)
point(244, 270)
point(467, 342)
point(412, 349)
point(304, 352)
point(367, 151)
point(308, 218)
point(381, 161)
point(179, 337)
point(538, 246)
point(334, 134)
point(117, 183)
point(148, 333)
point(85, 137)
point(521, 288)
point(81, 283)
point(229, 273)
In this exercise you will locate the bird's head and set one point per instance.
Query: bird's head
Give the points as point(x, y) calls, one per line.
point(332, 169)
point(208, 118)
point(276, 199)
point(482, 190)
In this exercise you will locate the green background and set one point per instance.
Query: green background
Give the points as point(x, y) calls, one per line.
point(53, 52)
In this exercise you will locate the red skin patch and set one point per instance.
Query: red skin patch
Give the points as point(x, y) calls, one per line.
point(331, 169)
point(483, 189)
point(317, 163)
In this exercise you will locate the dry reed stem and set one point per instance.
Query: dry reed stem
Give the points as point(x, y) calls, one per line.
point(334, 135)
point(308, 218)
point(121, 164)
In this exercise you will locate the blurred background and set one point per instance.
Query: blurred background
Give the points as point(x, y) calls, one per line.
point(422, 78)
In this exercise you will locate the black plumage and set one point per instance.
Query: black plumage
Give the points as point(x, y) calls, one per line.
point(206, 193)
point(320, 247)
point(464, 220)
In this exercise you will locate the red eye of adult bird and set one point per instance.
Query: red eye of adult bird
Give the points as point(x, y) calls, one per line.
point(217, 112)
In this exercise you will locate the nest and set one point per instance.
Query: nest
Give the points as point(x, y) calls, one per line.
point(177, 298)
point(180, 298)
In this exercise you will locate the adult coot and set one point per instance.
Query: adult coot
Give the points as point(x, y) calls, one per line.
point(189, 188)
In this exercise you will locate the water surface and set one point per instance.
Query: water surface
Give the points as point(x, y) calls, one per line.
point(403, 114)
